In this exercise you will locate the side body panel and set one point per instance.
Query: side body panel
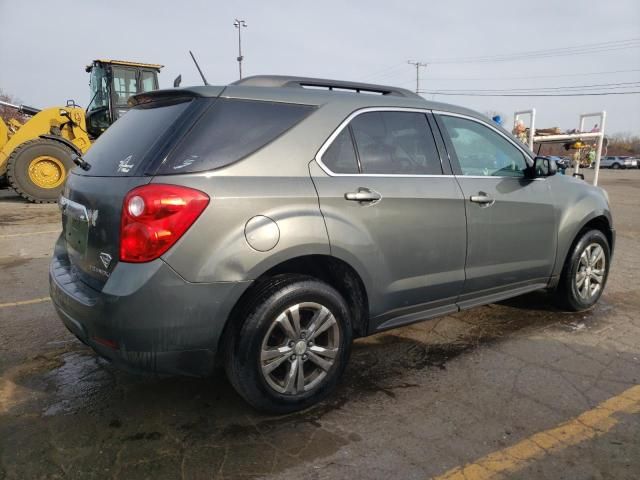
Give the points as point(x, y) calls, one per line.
point(412, 242)
point(512, 241)
point(577, 203)
point(215, 248)
point(512, 234)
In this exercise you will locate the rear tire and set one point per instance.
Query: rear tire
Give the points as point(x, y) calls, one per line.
point(281, 356)
point(37, 169)
point(585, 272)
point(615, 166)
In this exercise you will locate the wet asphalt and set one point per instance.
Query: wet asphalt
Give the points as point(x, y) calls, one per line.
point(415, 402)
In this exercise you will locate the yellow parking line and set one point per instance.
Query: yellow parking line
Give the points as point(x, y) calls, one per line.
point(25, 302)
point(11, 235)
point(586, 426)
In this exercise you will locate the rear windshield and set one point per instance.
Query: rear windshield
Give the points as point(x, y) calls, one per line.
point(127, 146)
point(229, 131)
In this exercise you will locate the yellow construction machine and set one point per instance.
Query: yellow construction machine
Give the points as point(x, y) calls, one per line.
point(36, 155)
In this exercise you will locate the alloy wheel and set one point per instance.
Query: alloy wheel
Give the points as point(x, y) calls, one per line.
point(590, 274)
point(300, 348)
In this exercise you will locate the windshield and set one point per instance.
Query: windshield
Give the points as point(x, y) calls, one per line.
point(99, 96)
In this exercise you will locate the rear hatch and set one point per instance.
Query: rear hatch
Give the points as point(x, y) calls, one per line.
point(124, 157)
point(169, 134)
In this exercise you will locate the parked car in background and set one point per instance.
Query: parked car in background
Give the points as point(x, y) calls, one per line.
point(618, 162)
point(267, 223)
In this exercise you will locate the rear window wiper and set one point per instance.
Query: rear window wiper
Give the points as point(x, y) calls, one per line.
point(81, 162)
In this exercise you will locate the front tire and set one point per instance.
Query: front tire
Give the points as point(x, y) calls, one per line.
point(585, 272)
point(37, 169)
point(291, 344)
point(615, 166)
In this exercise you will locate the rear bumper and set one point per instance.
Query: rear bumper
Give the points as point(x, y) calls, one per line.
point(147, 318)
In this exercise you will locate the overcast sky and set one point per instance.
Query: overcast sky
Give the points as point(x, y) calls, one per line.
point(46, 44)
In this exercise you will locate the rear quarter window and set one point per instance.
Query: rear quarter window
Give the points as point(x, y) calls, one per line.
point(229, 131)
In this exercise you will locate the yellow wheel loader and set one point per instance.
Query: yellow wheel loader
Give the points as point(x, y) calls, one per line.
point(36, 155)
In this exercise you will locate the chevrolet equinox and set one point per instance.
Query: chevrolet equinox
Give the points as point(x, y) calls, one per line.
point(267, 223)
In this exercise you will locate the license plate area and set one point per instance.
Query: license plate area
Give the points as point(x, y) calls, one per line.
point(75, 224)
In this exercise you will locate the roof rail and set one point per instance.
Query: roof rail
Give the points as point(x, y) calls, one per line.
point(306, 82)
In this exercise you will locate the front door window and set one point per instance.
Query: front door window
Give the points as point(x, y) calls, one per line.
point(482, 151)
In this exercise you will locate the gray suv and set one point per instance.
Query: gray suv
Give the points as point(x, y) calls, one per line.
point(618, 162)
point(268, 223)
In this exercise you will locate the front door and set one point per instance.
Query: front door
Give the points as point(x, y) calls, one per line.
point(511, 221)
point(392, 214)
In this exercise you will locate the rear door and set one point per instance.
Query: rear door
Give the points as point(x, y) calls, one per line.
point(511, 220)
point(393, 212)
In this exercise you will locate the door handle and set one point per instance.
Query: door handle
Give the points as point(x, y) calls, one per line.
point(363, 195)
point(483, 199)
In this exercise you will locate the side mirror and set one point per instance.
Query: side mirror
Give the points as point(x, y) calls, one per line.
point(542, 167)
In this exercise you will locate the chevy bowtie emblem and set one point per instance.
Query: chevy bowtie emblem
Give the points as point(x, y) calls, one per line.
point(105, 258)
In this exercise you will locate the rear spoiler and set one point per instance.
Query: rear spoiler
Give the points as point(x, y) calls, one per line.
point(174, 94)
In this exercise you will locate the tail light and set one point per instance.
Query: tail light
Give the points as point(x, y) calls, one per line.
point(154, 217)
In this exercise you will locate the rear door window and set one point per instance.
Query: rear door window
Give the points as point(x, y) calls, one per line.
point(229, 131)
point(128, 146)
point(395, 143)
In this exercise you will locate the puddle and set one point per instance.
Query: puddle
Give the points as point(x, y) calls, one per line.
point(78, 384)
point(14, 391)
point(81, 382)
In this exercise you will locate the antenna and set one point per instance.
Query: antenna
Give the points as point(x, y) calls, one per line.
point(198, 67)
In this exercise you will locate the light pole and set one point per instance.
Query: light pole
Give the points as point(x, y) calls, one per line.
point(240, 24)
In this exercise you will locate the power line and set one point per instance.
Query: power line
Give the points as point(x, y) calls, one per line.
point(406, 82)
point(581, 74)
point(392, 71)
point(606, 86)
point(382, 71)
point(554, 52)
point(403, 83)
point(423, 92)
point(588, 48)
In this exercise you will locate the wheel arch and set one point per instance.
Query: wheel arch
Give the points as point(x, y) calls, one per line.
point(64, 141)
point(334, 271)
point(595, 221)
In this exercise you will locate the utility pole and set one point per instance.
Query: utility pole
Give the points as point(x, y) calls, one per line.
point(417, 65)
point(240, 24)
